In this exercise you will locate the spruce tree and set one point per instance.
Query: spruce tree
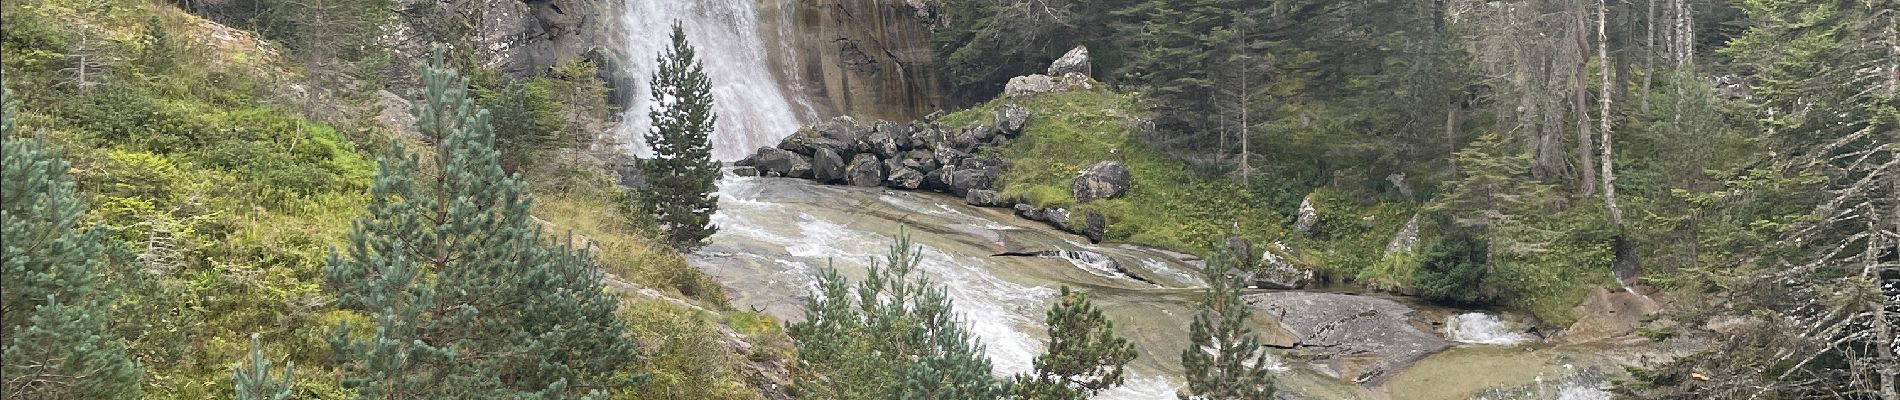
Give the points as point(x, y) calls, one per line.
point(1084, 358)
point(255, 383)
point(682, 175)
point(466, 298)
point(893, 336)
point(54, 305)
point(1224, 360)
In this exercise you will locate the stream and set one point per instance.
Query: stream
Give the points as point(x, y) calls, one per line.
point(776, 233)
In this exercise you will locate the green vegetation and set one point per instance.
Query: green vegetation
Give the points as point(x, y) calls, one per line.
point(1168, 204)
point(1224, 359)
point(682, 173)
point(59, 291)
point(255, 383)
point(1084, 358)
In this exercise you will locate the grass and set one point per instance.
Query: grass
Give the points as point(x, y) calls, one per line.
point(1168, 205)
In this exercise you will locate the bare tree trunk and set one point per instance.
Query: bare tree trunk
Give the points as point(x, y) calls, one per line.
point(1649, 53)
point(1603, 123)
point(1246, 97)
point(1580, 100)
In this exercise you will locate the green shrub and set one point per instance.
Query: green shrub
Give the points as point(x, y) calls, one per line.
point(1454, 270)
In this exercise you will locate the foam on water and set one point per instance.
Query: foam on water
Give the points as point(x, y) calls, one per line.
point(1481, 328)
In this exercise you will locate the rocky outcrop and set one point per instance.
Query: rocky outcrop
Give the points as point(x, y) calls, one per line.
point(1406, 240)
point(1104, 180)
point(1076, 61)
point(1309, 216)
point(1037, 84)
point(1277, 270)
point(1355, 338)
point(1011, 118)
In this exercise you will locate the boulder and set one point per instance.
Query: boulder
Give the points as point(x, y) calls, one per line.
point(962, 180)
point(1036, 84)
point(1030, 212)
point(1605, 314)
point(1093, 226)
point(864, 171)
point(904, 178)
point(1406, 240)
point(1104, 180)
point(752, 160)
point(921, 160)
point(882, 141)
point(1276, 272)
point(1308, 217)
point(946, 156)
point(838, 134)
point(1010, 119)
point(783, 162)
point(1354, 338)
point(939, 179)
point(1241, 249)
point(745, 171)
point(827, 166)
point(1076, 61)
point(985, 198)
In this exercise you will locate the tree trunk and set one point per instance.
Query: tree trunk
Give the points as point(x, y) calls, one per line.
point(1580, 100)
point(1603, 122)
point(1649, 53)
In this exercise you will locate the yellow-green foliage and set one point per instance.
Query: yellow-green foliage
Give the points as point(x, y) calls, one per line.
point(1350, 236)
point(1168, 204)
point(685, 353)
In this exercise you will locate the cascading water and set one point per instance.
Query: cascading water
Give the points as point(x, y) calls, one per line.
point(753, 107)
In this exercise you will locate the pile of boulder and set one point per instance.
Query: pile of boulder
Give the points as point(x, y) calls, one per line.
point(925, 155)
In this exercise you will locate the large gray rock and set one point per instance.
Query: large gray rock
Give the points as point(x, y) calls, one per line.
point(745, 171)
point(962, 180)
point(827, 166)
point(1353, 338)
point(1277, 270)
point(1104, 180)
point(939, 179)
point(1406, 240)
point(921, 160)
point(946, 156)
point(904, 178)
point(983, 198)
point(783, 162)
point(838, 134)
point(1035, 84)
point(1308, 217)
point(886, 140)
point(864, 171)
point(1076, 61)
point(1010, 119)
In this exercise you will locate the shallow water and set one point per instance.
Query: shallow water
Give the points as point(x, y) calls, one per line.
point(775, 234)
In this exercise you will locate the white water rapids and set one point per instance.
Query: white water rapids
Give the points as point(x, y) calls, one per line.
point(752, 106)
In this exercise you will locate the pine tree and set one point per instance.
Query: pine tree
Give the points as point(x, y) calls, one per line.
point(467, 299)
point(1084, 358)
point(256, 383)
point(54, 305)
point(682, 175)
point(1224, 360)
point(893, 336)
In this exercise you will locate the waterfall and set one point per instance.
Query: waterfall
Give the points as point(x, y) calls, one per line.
point(753, 107)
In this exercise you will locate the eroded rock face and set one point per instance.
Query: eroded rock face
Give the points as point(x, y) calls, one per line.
point(856, 57)
point(1076, 61)
point(1309, 215)
point(1104, 180)
point(1355, 338)
point(1406, 240)
point(1277, 271)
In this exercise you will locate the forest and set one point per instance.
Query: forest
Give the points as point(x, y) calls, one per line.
point(398, 199)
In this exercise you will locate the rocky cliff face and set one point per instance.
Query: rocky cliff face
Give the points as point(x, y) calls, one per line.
point(519, 37)
point(865, 58)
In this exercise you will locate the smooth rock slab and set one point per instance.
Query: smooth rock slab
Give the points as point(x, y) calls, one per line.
point(1355, 338)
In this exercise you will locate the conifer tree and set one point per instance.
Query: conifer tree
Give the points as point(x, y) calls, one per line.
point(682, 175)
point(54, 305)
point(1224, 360)
point(1084, 358)
point(893, 336)
point(466, 298)
point(255, 383)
